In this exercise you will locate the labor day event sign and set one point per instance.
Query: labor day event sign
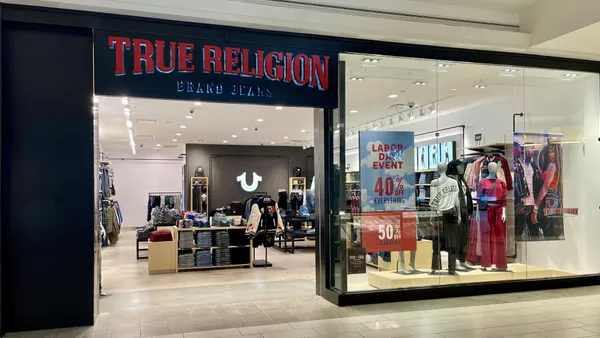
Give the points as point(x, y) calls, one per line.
point(387, 171)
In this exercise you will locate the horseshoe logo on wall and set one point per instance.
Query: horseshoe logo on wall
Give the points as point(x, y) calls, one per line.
point(252, 187)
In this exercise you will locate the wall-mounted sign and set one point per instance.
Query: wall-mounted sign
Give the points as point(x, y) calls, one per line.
point(252, 186)
point(478, 137)
point(155, 66)
point(387, 171)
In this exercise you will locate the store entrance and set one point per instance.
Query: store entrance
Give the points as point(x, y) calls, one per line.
point(211, 204)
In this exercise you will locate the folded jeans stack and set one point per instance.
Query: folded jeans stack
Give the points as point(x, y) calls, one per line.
point(186, 239)
point(203, 258)
point(203, 239)
point(143, 234)
point(186, 260)
point(222, 239)
point(220, 220)
point(222, 257)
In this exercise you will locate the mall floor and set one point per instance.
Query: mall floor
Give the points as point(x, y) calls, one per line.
point(280, 302)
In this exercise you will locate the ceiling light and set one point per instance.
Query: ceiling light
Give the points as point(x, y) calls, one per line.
point(421, 111)
point(197, 103)
point(507, 74)
point(259, 120)
point(411, 115)
point(224, 141)
point(174, 140)
point(432, 109)
point(400, 118)
point(303, 131)
point(129, 124)
point(125, 101)
point(480, 86)
point(189, 117)
point(234, 136)
point(356, 79)
point(375, 128)
point(244, 129)
point(419, 83)
point(453, 89)
point(443, 65)
point(337, 131)
point(285, 137)
point(158, 145)
point(272, 142)
point(182, 127)
point(393, 96)
point(96, 99)
point(353, 111)
point(570, 75)
point(510, 70)
point(279, 108)
point(127, 113)
point(369, 60)
point(178, 134)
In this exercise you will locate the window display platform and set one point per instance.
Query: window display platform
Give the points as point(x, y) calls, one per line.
point(422, 258)
point(518, 271)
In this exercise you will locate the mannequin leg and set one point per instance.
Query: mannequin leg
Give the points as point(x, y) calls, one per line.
point(413, 257)
point(498, 228)
point(451, 237)
point(436, 258)
point(402, 262)
point(486, 244)
point(463, 237)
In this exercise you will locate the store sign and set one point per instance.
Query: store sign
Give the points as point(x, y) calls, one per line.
point(387, 173)
point(389, 231)
point(357, 262)
point(142, 65)
point(253, 186)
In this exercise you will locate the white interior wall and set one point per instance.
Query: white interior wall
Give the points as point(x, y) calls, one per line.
point(134, 179)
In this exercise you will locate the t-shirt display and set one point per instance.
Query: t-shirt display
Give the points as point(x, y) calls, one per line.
point(445, 196)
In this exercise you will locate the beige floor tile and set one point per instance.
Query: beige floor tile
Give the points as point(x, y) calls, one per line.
point(213, 334)
point(343, 335)
point(594, 320)
point(529, 335)
point(176, 335)
point(292, 334)
point(593, 328)
point(479, 333)
point(340, 329)
point(568, 333)
point(311, 324)
point(389, 324)
point(513, 330)
point(265, 328)
point(391, 333)
point(362, 319)
point(558, 324)
point(436, 328)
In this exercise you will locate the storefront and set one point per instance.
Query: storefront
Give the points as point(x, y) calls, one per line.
point(54, 61)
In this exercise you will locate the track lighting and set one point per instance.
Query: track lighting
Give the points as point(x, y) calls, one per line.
point(381, 123)
point(432, 109)
point(391, 121)
point(400, 118)
point(421, 111)
point(411, 115)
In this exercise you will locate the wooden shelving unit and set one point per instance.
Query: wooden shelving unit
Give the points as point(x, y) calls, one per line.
point(194, 249)
point(298, 183)
point(203, 182)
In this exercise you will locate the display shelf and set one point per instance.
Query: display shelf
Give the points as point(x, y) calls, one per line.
point(298, 183)
point(205, 184)
point(249, 265)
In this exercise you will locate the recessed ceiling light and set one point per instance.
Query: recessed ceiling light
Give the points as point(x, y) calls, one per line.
point(453, 89)
point(96, 99)
point(570, 75)
point(354, 111)
point(510, 70)
point(285, 137)
point(244, 129)
point(259, 120)
point(420, 83)
point(272, 142)
point(279, 108)
point(375, 128)
point(182, 127)
point(197, 103)
point(480, 86)
point(224, 141)
point(370, 60)
point(178, 134)
point(443, 65)
point(234, 136)
point(158, 145)
point(189, 117)
point(174, 140)
point(393, 96)
point(303, 131)
point(356, 79)
point(125, 101)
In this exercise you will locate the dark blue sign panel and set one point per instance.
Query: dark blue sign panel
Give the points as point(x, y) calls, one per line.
point(141, 65)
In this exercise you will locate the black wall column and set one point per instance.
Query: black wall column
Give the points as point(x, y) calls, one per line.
point(47, 178)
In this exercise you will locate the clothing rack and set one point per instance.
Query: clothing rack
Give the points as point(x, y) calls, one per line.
point(164, 194)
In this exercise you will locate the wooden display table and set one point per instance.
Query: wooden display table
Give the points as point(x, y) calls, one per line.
point(162, 257)
point(422, 259)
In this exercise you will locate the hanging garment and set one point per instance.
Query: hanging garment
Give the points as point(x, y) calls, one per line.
point(113, 226)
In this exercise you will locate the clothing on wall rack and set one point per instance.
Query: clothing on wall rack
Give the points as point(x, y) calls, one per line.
point(172, 200)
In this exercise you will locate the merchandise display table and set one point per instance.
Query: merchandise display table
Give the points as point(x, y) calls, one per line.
point(292, 235)
point(518, 271)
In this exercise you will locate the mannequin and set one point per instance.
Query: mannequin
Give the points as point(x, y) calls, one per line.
point(493, 234)
point(456, 171)
point(444, 199)
point(402, 261)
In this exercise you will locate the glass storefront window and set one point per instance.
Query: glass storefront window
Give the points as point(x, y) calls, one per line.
point(463, 173)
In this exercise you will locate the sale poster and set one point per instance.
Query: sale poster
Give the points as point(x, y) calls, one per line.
point(389, 231)
point(387, 170)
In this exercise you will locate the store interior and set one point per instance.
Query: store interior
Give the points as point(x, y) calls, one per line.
point(191, 157)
